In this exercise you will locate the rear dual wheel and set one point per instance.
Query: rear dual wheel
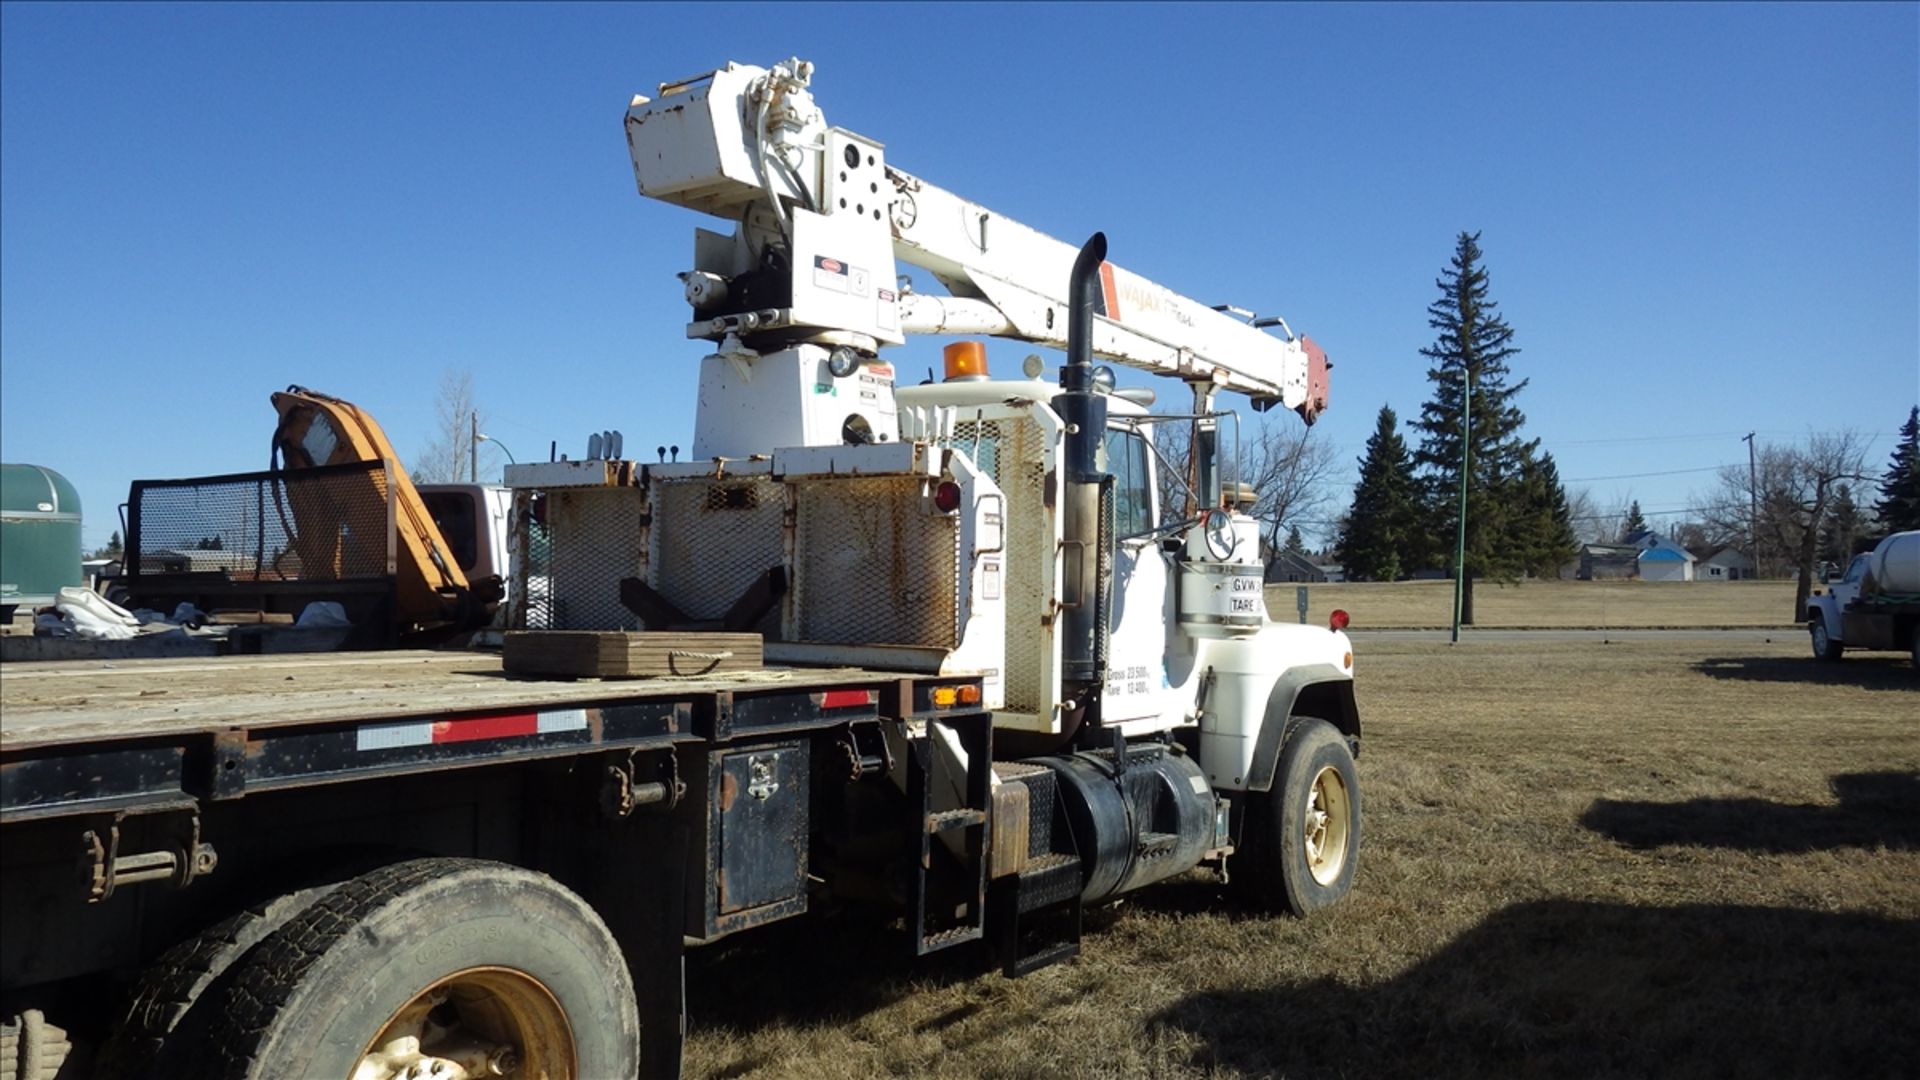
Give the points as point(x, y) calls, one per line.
point(434, 968)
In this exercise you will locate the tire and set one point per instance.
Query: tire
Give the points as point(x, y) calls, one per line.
point(160, 1031)
point(1302, 839)
point(448, 951)
point(1824, 647)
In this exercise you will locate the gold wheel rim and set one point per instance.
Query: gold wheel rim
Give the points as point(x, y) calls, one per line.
point(489, 1021)
point(1328, 827)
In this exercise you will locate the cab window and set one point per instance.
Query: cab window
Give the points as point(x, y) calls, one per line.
point(1132, 483)
point(453, 513)
point(1856, 571)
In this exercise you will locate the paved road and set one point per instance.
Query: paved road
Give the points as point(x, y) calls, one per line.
point(1469, 636)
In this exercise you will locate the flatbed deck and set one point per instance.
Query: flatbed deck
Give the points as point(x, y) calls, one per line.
point(45, 704)
point(79, 736)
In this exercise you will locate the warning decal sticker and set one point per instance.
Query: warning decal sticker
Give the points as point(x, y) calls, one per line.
point(830, 274)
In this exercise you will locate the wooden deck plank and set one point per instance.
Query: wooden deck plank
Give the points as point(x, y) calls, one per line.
point(43, 704)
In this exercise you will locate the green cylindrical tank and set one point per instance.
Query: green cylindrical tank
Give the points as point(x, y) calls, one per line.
point(39, 535)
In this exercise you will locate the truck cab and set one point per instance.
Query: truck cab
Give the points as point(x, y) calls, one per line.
point(1824, 610)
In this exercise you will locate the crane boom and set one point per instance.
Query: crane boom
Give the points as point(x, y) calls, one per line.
point(1010, 280)
point(822, 219)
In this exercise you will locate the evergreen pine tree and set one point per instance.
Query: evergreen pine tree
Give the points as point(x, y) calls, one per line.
point(115, 548)
point(1383, 539)
point(1475, 341)
point(1296, 544)
point(1546, 525)
point(1899, 505)
point(1636, 522)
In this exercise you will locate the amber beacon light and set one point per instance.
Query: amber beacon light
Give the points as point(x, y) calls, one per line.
point(965, 360)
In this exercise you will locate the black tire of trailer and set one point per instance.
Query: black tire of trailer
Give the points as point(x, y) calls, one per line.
point(1273, 868)
point(1824, 647)
point(161, 1032)
point(315, 994)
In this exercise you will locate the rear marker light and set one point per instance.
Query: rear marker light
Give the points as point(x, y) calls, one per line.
point(947, 497)
point(1338, 620)
point(969, 695)
point(944, 696)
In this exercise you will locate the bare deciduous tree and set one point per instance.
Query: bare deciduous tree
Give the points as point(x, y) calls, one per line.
point(447, 458)
point(1796, 487)
point(1591, 524)
point(1286, 465)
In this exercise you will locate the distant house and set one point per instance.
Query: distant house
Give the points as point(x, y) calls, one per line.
point(1724, 564)
point(193, 561)
point(1607, 562)
point(95, 569)
point(1331, 571)
point(1284, 566)
point(1661, 559)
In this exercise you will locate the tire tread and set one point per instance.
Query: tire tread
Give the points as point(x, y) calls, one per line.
point(275, 973)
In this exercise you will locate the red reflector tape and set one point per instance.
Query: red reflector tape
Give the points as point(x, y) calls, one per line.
point(405, 733)
point(485, 727)
point(840, 699)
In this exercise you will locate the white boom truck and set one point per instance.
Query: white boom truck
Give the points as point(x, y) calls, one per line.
point(1873, 604)
point(1005, 683)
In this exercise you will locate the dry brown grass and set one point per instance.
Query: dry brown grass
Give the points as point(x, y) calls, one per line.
point(1557, 604)
point(1672, 858)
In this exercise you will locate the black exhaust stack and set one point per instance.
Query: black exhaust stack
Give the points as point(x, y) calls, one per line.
point(1083, 626)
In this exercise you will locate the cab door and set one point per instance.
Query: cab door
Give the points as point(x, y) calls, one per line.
point(1136, 686)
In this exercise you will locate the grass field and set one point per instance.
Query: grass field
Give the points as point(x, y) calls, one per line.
point(1558, 604)
point(1671, 858)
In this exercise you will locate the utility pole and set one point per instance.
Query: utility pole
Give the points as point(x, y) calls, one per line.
point(1753, 507)
point(1460, 536)
point(473, 448)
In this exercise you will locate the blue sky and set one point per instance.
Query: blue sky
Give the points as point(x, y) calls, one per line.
point(1701, 220)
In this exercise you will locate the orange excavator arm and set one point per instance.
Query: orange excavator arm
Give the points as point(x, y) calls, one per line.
point(318, 429)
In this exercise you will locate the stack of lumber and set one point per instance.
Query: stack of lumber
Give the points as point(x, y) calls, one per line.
point(626, 654)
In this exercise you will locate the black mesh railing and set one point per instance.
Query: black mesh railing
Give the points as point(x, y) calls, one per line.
point(333, 523)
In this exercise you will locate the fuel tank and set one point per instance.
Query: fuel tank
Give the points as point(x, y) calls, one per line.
point(1135, 820)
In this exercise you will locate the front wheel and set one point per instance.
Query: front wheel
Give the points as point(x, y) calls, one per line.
point(429, 967)
point(1302, 839)
point(1824, 647)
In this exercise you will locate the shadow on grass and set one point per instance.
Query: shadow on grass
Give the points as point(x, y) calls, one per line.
point(1566, 988)
point(815, 970)
point(1876, 672)
point(1875, 809)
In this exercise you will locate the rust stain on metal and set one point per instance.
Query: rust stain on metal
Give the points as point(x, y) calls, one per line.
point(729, 791)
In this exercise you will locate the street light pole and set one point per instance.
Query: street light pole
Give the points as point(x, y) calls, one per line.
point(1753, 507)
point(1460, 536)
point(481, 436)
